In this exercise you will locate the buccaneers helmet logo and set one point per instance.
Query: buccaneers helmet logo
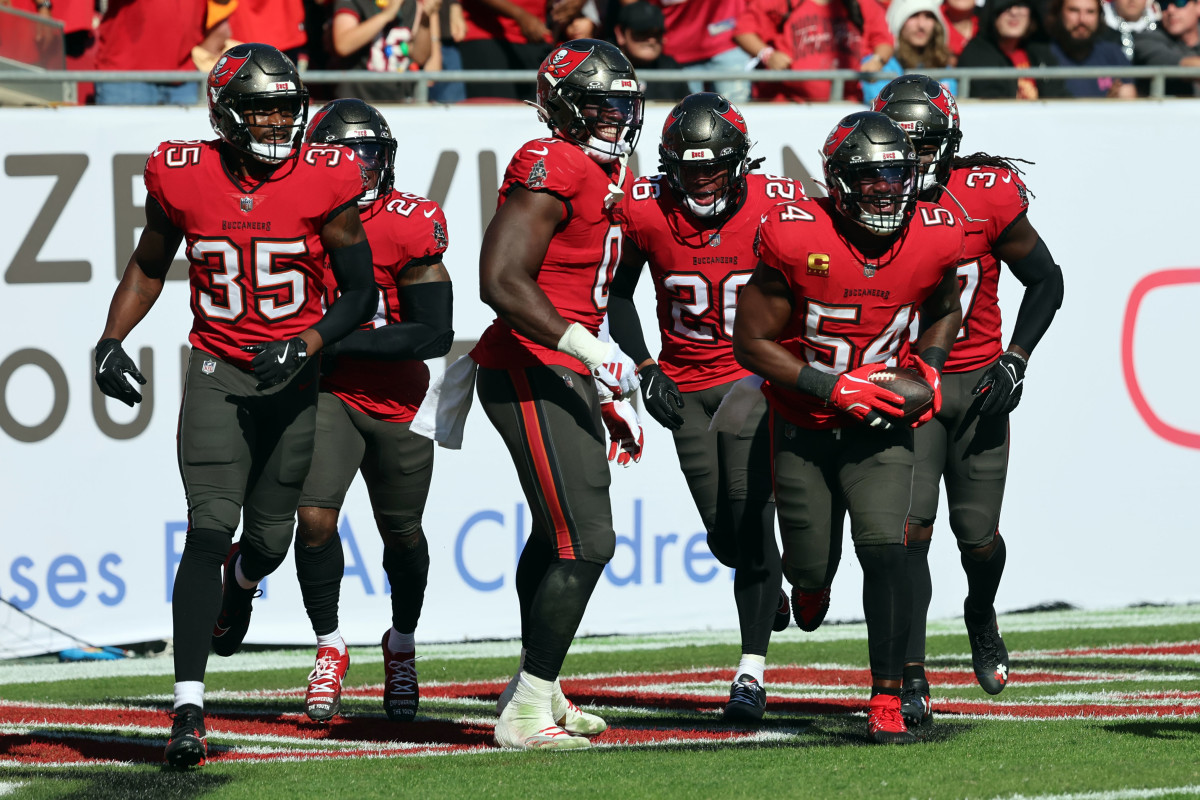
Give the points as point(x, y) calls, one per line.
point(564, 62)
point(224, 70)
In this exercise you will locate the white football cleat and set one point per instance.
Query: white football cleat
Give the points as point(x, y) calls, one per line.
point(571, 717)
point(525, 723)
point(567, 715)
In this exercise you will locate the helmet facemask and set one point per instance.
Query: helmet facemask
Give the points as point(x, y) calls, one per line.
point(879, 197)
point(281, 137)
point(607, 125)
point(707, 186)
point(378, 159)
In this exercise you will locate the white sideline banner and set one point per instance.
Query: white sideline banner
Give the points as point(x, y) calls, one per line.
point(1099, 511)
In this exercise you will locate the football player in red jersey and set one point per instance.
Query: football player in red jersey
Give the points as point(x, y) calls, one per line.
point(967, 442)
point(259, 214)
point(547, 260)
point(372, 382)
point(695, 225)
point(830, 303)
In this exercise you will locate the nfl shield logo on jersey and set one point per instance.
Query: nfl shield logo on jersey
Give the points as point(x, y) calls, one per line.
point(567, 380)
point(208, 367)
point(246, 204)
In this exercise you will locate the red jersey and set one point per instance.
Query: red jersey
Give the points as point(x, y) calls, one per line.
point(403, 229)
point(255, 251)
point(279, 23)
point(699, 274)
point(842, 318)
point(150, 34)
point(994, 199)
point(815, 37)
point(484, 22)
point(582, 256)
point(697, 30)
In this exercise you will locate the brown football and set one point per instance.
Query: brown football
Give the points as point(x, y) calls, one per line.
point(908, 383)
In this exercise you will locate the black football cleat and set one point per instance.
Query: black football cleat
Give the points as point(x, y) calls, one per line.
point(885, 723)
point(747, 701)
point(989, 656)
point(783, 613)
point(234, 619)
point(187, 746)
point(810, 607)
point(915, 705)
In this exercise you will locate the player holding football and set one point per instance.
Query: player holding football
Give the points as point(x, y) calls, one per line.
point(695, 225)
point(967, 442)
point(830, 303)
point(260, 213)
point(372, 382)
point(547, 260)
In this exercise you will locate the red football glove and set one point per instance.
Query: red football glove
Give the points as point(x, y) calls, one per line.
point(934, 379)
point(625, 431)
point(864, 399)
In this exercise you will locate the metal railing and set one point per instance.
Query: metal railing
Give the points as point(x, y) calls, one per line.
point(1157, 76)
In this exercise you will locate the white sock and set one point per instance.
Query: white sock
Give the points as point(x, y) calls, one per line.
point(754, 666)
point(533, 691)
point(189, 692)
point(401, 642)
point(332, 640)
point(242, 580)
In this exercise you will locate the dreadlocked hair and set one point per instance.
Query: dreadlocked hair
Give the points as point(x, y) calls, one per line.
point(854, 13)
point(986, 160)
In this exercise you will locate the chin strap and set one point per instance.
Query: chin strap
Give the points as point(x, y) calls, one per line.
point(615, 192)
point(950, 194)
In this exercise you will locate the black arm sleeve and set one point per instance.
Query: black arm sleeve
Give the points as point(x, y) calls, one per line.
point(1043, 280)
point(623, 321)
point(425, 333)
point(358, 293)
point(815, 382)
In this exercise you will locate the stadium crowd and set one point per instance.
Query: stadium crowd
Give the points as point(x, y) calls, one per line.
point(750, 35)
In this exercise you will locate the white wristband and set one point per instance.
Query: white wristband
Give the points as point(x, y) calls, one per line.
point(764, 54)
point(576, 341)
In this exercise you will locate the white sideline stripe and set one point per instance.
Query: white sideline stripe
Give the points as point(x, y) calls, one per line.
point(1112, 794)
point(8, 787)
point(13, 673)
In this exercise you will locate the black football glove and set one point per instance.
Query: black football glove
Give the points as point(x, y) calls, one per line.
point(277, 361)
point(1001, 384)
point(661, 396)
point(113, 364)
point(329, 357)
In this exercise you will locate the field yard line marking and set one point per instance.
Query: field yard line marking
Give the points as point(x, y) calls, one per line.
point(1111, 794)
point(11, 673)
point(8, 787)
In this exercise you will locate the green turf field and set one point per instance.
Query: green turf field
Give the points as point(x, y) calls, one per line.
point(1102, 705)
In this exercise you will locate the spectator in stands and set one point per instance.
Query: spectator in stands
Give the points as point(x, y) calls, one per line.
point(451, 29)
point(1128, 17)
point(279, 23)
point(639, 34)
point(79, 33)
point(814, 35)
point(1175, 42)
point(1011, 35)
point(921, 42)
point(393, 37)
point(699, 36)
point(573, 19)
point(155, 35)
point(1075, 30)
point(962, 20)
point(504, 34)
